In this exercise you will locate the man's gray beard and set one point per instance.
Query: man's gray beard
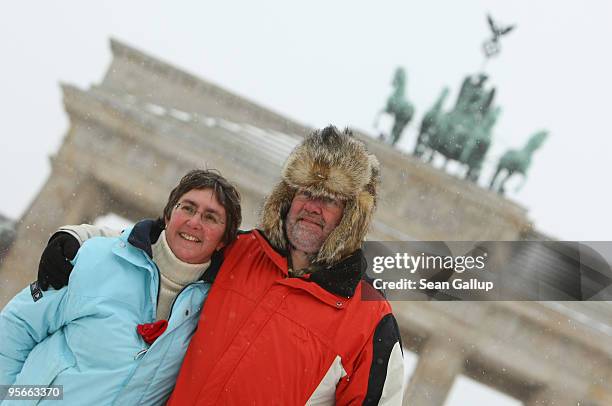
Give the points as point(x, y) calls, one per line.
point(303, 239)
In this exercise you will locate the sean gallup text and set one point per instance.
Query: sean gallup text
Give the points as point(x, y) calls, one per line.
point(424, 284)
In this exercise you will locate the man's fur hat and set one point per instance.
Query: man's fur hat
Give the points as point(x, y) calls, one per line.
point(333, 164)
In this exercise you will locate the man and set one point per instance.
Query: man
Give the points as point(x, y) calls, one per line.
point(285, 322)
point(118, 332)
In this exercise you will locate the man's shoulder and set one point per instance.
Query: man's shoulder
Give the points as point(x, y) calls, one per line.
point(244, 240)
point(371, 300)
point(249, 237)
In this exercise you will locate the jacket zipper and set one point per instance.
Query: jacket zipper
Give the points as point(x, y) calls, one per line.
point(177, 295)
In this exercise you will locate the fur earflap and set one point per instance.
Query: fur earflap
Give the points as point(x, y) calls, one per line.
point(333, 164)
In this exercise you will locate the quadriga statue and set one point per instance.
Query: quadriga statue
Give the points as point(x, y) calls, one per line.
point(464, 133)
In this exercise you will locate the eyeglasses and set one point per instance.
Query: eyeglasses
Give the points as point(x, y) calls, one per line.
point(206, 217)
point(328, 202)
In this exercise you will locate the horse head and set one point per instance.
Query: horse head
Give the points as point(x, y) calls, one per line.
point(399, 79)
point(536, 140)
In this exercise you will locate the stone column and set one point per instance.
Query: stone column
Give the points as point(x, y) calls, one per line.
point(67, 198)
point(439, 363)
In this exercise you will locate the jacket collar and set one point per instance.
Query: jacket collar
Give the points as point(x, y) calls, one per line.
point(146, 233)
point(340, 278)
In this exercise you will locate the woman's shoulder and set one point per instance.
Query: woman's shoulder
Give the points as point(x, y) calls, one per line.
point(97, 263)
point(98, 247)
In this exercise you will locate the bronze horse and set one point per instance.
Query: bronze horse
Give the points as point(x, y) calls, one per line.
point(398, 106)
point(517, 161)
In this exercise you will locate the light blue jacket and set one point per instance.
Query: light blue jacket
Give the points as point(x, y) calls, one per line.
point(84, 337)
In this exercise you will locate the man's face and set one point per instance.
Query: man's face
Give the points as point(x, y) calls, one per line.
point(196, 225)
point(311, 219)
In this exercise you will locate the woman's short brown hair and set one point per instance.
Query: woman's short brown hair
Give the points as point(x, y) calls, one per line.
point(225, 192)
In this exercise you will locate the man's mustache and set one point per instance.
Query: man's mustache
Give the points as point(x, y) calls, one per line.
point(319, 221)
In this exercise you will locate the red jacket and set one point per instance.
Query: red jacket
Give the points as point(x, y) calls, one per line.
point(265, 338)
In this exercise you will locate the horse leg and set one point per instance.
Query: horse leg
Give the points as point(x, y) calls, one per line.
point(502, 189)
point(395, 139)
point(419, 147)
point(472, 174)
point(397, 131)
point(468, 171)
point(494, 178)
point(418, 150)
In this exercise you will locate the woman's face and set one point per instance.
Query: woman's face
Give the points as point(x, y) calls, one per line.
point(196, 226)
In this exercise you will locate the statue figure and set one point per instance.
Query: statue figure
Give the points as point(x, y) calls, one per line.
point(473, 99)
point(429, 122)
point(492, 46)
point(398, 106)
point(517, 161)
point(476, 147)
point(464, 133)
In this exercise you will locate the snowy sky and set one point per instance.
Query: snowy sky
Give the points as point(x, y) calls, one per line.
point(323, 62)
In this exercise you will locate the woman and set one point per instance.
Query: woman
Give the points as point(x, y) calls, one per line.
point(117, 334)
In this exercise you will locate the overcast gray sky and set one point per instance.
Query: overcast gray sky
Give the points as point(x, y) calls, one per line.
point(323, 62)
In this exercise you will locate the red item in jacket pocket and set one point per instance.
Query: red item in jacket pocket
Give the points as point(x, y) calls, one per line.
point(150, 331)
